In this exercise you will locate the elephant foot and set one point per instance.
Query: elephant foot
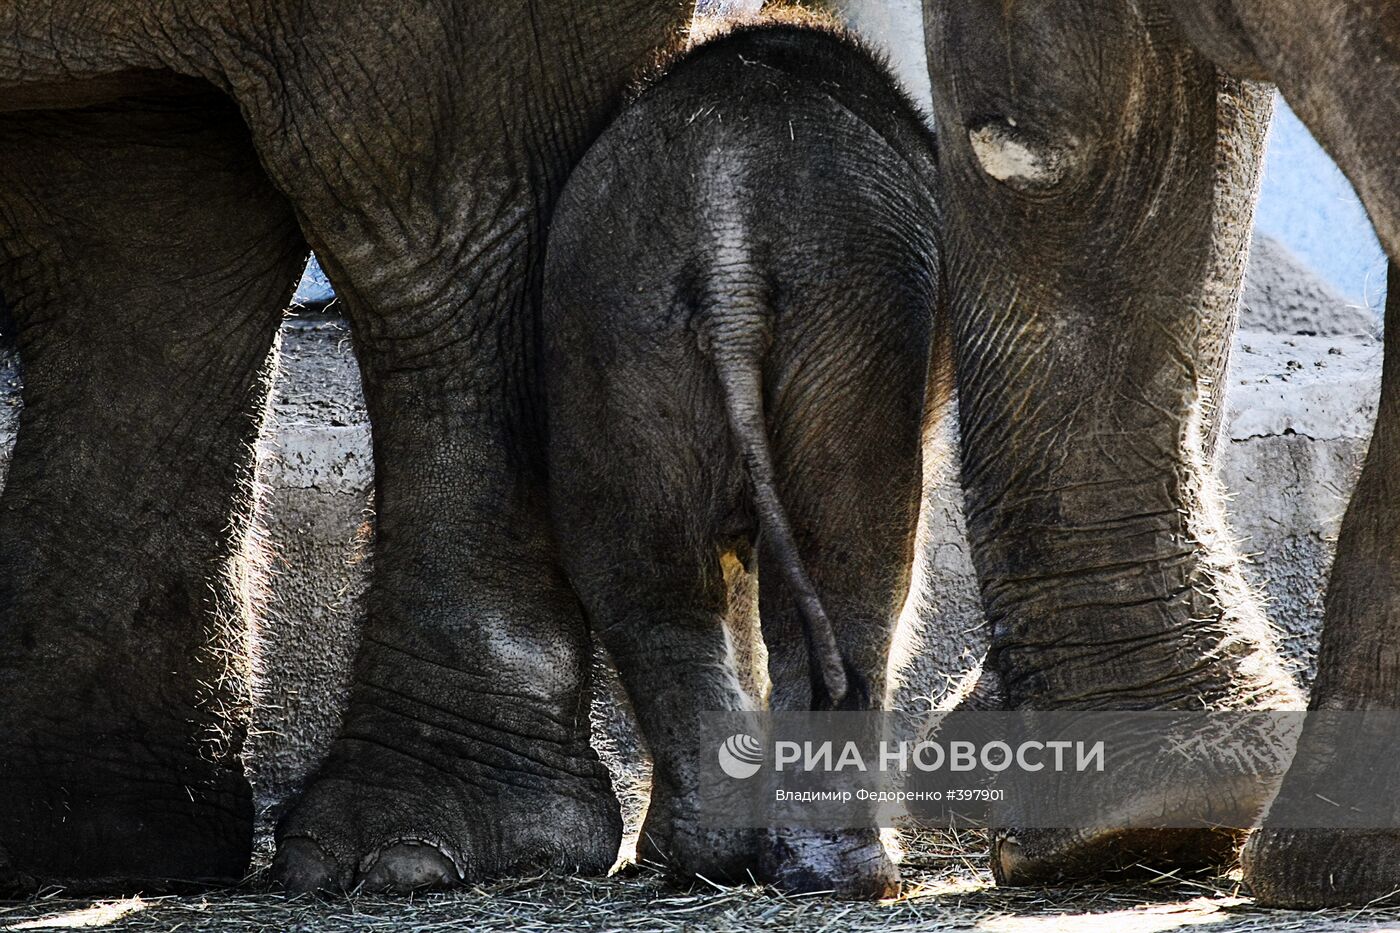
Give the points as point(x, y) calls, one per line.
point(1345, 759)
point(387, 822)
point(122, 820)
point(672, 838)
point(1056, 856)
point(303, 866)
point(851, 864)
point(1309, 868)
point(1186, 808)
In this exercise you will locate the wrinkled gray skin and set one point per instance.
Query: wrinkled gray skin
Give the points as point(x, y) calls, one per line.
point(740, 354)
point(1098, 160)
point(163, 168)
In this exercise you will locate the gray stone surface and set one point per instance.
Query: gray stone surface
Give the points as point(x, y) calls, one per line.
point(10, 406)
point(1282, 295)
point(1301, 413)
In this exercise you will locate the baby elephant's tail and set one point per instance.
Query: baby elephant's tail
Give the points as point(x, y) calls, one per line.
point(738, 360)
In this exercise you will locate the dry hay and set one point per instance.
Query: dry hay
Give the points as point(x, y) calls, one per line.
point(948, 889)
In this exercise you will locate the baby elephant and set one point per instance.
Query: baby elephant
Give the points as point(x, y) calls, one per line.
point(741, 358)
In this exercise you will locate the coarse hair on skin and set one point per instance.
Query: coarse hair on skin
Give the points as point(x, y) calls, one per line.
point(240, 599)
point(707, 29)
point(814, 46)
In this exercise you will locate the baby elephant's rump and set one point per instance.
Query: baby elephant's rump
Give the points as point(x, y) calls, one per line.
point(741, 359)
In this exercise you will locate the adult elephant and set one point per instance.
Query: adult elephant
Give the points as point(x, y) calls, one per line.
point(163, 168)
point(1100, 160)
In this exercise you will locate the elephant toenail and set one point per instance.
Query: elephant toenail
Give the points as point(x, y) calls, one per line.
point(303, 867)
point(410, 866)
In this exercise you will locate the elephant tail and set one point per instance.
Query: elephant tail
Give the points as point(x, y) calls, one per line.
point(737, 355)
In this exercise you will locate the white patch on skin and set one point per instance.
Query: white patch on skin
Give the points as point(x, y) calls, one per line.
point(1009, 156)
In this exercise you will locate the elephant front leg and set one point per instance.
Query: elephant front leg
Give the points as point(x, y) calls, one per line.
point(465, 749)
point(1095, 226)
point(464, 753)
point(1106, 568)
point(425, 169)
point(146, 260)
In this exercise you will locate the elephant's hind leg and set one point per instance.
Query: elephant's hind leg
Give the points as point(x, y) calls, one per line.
point(848, 450)
point(640, 505)
point(146, 259)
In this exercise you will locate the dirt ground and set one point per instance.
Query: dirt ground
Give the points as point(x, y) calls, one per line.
point(946, 889)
